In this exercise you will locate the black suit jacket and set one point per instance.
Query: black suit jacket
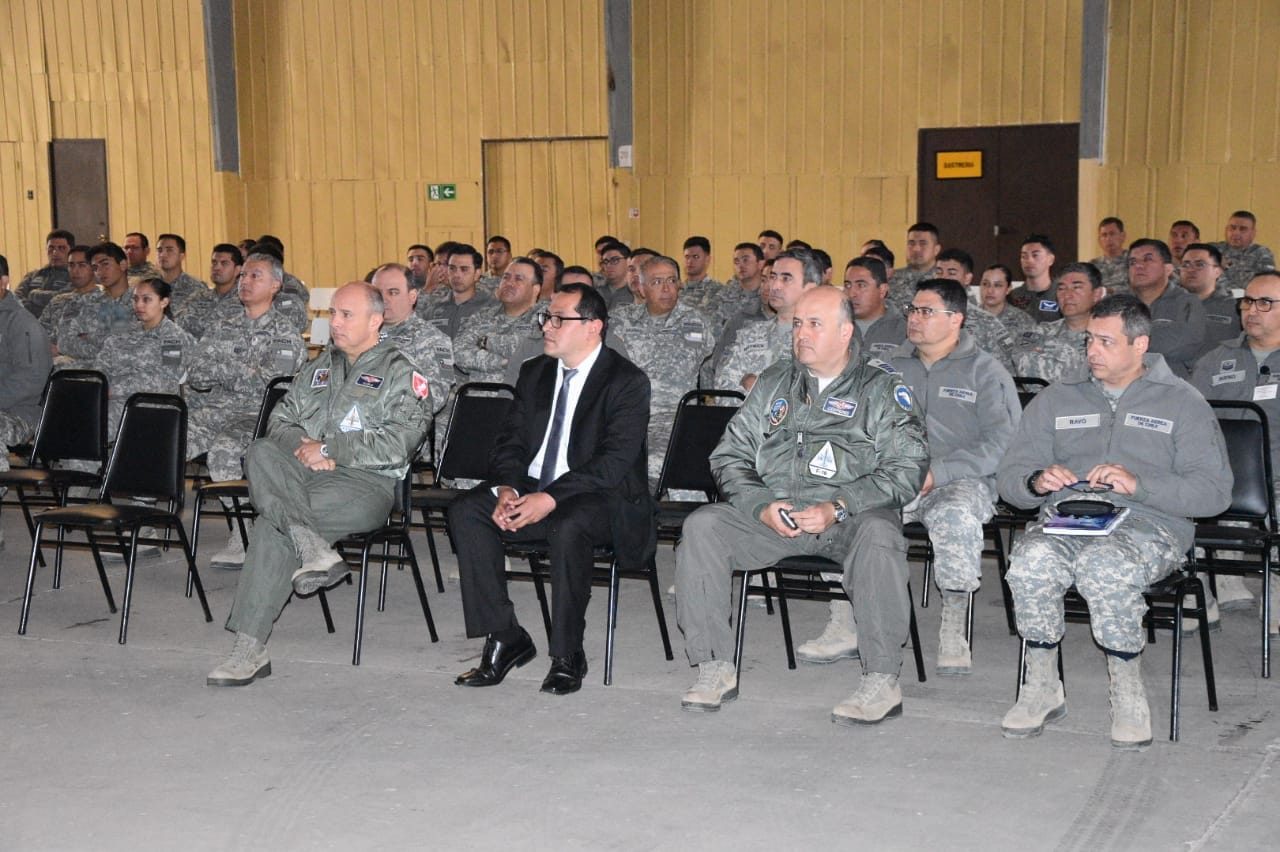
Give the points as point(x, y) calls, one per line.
point(606, 453)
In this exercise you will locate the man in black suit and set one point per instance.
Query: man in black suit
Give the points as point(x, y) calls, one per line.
point(569, 467)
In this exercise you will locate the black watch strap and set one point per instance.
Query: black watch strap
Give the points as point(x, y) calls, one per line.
point(1031, 482)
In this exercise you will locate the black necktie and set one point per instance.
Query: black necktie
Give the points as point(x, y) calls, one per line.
point(548, 473)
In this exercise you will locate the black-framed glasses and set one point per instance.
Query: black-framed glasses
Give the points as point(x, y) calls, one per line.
point(924, 312)
point(1263, 304)
point(1083, 486)
point(546, 318)
point(610, 261)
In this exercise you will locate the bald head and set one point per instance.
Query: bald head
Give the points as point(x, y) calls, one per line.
point(822, 330)
point(355, 317)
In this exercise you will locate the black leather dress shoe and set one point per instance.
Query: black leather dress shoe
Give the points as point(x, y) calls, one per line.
point(566, 674)
point(497, 659)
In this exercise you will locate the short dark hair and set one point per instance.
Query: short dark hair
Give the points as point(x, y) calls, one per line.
point(1088, 270)
point(1244, 214)
point(496, 238)
point(275, 241)
point(268, 248)
point(431, 256)
point(960, 256)
point(141, 236)
point(182, 244)
point(769, 232)
point(4, 265)
point(698, 242)
point(163, 289)
point(111, 250)
point(1132, 312)
point(1150, 242)
point(528, 261)
point(881, 252)
point(446, 248)
point(798, 243)
point(1111, 220)
point(1209, 247)
point(463, 248)
point(575, 269)
point(874, 265)
point(1186, 223)
point(824, 260)
point(1000, 267)
point(605, 238)
point(950, 291)
point(1041, 239)
point(591, 304)
point(926, 227)
point(754, 248)
point(237, 256)
point(618, 247)
point(61, 234)
point(557, 263)
point(81, 248)
point(812, 272)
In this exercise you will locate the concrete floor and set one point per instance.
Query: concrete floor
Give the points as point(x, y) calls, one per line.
point(124, 747)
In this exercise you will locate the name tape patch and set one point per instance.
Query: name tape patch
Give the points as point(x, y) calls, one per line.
point(1077, 421)
point(961, 394)
point(1154, 424)
point(369, 380)
point(1226, 378)
point(842, 407)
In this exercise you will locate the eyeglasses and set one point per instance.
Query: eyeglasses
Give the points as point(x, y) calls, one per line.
point(610, 261)
point(924, 313)
point(1083, 487)
point(662, 282)
point(1262, 304)
point(1197, 264)
point(544, 319)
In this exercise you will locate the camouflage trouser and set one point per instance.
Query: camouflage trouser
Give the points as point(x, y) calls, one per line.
point(659, 436)
point(13, 430)
point(223, 437)
point(1110, 572)
point(954, 514)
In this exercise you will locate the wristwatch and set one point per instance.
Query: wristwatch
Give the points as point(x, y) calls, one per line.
point(1031, 481)
point(842, 514)
point(324, 451)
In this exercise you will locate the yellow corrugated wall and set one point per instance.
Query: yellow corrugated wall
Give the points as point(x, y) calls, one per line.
point(799, 115)
point(1193, 118)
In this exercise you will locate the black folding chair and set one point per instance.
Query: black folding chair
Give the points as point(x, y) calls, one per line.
point(394, 532)
point(696, 431)
point(148, 461)
point(237, 490)
point(479, 411)
point(1250, 526)
point(72, 427)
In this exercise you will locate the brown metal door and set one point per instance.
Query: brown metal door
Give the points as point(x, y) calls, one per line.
point(78, 171)
point(1026, 183)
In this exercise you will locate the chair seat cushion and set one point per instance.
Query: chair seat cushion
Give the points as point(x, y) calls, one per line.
point(104, 515)
point(1216, 535)
point(230, 488)
point(30, 477)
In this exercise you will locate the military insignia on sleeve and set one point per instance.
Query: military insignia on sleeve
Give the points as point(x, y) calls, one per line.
point(903, 397)
point(882, 365)
point(352, 422)
point(421, 387)
point(1048, 305)
point(842, 407)
point(320, 378)
point(369, 380)
point(777, 411)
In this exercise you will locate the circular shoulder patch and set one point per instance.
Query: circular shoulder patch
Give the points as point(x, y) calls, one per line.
point(903, 397)
point(778, 411)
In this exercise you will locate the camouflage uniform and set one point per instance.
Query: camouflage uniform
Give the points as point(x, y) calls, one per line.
point(1115, 273)
point(1239, 265)
point(616, 297)
point(971, 411)
point(489, 340)
point(293, 306)
point(1051, 352)
point(670, 349)
point(1040, 305)
point(882, 336)
point(229, 372)
point(1015, 320)
point(902, 287)
point(429, 350)
point(37, 288)
point(428, 300)
point(489, 284)
point(990, 335)
point(142, 273)
point(755, 347)
point(144, 361)
point(1162, 431)
point(447, 315)
point(61, 310)
point(733, 299)
point(207, 308)
point(184, 287)
point(24, 367)
point(702, 294)
point(81, 338)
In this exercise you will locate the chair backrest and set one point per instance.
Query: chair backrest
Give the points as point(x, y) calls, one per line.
point(697, 429)
point(319, 332)
point(149, 458)
point(1248, 438)
point(1028, 387)
point(73, 418)
point(276, 390)
point(479, 411)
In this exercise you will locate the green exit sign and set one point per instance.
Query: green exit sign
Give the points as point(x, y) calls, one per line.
point(442, 191)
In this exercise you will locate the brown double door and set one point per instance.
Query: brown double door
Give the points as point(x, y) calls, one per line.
point(1028, 185)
